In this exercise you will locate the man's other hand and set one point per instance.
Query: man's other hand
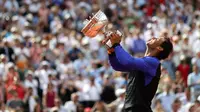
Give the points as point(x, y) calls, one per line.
point(115, 37)
point(107, 37)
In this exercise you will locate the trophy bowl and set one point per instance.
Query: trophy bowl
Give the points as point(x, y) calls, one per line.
point(95, 25)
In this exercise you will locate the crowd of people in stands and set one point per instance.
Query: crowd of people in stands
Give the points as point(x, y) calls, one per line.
point(48, 65)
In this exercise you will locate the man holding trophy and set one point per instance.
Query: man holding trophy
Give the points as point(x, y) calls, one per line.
point(144, 73)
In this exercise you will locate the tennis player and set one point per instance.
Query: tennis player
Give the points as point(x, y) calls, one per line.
point(144, 73)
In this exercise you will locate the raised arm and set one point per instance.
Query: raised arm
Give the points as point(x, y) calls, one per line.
point(132, 63)
point(116, 65)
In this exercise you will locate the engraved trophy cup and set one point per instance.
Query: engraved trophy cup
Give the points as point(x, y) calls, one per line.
point(97, 25)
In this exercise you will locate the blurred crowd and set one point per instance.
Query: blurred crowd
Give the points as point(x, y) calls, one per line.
point(48, 65)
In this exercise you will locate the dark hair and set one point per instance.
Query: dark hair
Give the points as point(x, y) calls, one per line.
point(177, 100)
point(167, 49)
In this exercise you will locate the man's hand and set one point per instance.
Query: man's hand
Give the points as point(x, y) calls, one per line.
point(107, 37)
point(114, 37)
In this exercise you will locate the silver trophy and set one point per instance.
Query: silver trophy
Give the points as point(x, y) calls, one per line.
point(97, 25)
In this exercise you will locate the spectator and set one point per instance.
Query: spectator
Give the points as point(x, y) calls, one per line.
point(70, 90)
point(52, 79)
point(58, 107)
point(43, 13)
point(15, 102)
point(17, 86)
point(196, 59)
point(186, 97)
point(139, 46)
point(72, 105)
point(31, 82)
point(11, 5)
point(158, 106)
point(184, 69)
point(99, 106)
point(118, 104)
point(73, 53)
point(7, 50)
point(120, 80)
point(47, 52)
point(65, 66)
point(37, 107)
point(11, 74)
point(193, 83)
point(81, 64)
point(43, 73)
point(49, 96)
point(22, 54)
point(176, 50)
point(195, 45)
point(108, 92)
point(63, 94)
point(179, 79)
point(35, 54)
point(106, 68)
point(29, 100)
point(176, 105)
point(93, 69)
point(186, 46)
point(170, 67)
point(92, 91)
point(167, 98)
